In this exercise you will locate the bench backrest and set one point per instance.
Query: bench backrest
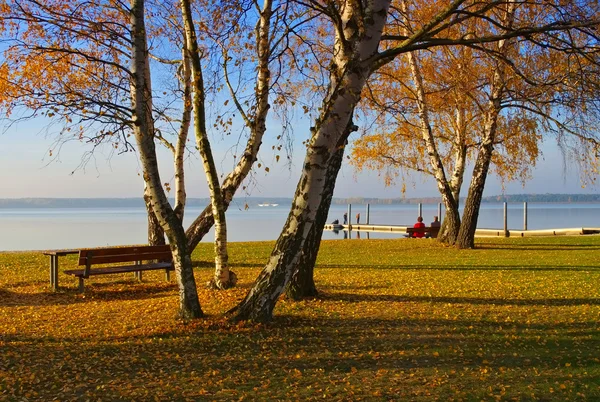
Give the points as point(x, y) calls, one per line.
point(124, 254)
point(425, 229)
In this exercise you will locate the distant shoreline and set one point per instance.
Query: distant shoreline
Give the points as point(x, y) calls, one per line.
point(6, 203)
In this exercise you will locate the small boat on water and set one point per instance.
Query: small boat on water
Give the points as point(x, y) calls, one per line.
point(267, 205)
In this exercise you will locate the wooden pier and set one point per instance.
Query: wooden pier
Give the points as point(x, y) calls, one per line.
point(478, 232)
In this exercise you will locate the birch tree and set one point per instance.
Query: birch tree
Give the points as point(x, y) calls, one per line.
point(358, 28)
point(141, 95)
point(223, 278)
point(267, 51)
point(357, 34)
point(88, 67)
point(73, 100)
point(430, 123)
point(457, 94)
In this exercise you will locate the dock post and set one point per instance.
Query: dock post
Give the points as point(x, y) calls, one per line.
point(420, 210)
point(525, 215)
point(349, 217)
point(506, 220)
point(440, 211)
point(368, 214)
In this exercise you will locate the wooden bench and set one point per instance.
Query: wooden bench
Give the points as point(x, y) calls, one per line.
point(90, 258)
point(431, 231)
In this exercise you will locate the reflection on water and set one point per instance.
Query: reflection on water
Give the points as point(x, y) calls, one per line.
point(52, 228)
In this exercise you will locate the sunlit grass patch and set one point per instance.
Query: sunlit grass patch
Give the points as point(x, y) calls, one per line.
point(515, 319)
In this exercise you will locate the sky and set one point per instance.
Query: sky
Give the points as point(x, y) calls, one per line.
point(27, 170)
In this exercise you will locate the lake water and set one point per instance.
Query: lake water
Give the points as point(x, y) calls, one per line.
point(56, 228)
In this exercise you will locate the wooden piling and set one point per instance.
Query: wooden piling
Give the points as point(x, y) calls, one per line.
point(506, 233)
point(349, 217)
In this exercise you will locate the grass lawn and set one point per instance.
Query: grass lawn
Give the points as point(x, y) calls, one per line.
point(515, 319)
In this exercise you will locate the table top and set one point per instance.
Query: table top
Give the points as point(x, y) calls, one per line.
point(60, 252)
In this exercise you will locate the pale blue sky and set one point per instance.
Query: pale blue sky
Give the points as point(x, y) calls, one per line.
point(26, 170)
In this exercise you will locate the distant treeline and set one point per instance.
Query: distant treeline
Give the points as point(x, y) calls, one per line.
point(544, 198)
point(493, 198)
point(386, 201)
point(253, 201)
point(119, 202)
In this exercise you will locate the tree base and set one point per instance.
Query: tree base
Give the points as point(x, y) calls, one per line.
point(217, 284)
point(187, 315)
point(296, 294)
point(249, 312)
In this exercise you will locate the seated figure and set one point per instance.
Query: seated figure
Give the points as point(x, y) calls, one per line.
point(419, 225)
point(435, 224)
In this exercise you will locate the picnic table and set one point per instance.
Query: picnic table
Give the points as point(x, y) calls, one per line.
point(54, 254)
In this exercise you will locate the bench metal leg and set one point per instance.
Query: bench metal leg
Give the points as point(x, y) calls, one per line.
point(80, 284)
point(138, 274)
point(54, 272)
point(167, 275)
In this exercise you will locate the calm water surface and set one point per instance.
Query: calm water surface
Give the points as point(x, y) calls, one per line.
point(55, 228)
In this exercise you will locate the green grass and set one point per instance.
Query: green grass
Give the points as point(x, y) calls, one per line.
point(514, 319)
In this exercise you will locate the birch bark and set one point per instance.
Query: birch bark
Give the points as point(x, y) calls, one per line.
point(302, 283)
point(223, 277)
point(466, 235)
point(184, 129)
point(257, 125)
point(358, 33)
point(143, 127)
point(156, 234)
point(451, 223)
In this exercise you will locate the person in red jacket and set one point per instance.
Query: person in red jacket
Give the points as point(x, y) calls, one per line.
point(419, 224)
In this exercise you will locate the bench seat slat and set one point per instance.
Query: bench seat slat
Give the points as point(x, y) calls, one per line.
point(121, 269)
point(433, 231)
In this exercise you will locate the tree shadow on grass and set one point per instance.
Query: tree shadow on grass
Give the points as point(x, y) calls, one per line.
point(203, 264)
point(540, 246)
point(234, 265)
point(327, 346)
point(479, 267)
point(117, 290)
point(357, 298)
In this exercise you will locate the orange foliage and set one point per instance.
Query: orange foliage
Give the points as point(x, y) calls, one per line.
point(542, 82)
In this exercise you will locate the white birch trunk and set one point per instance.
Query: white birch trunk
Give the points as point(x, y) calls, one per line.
point(466, 235)
point(349, 70)
point(223, 278)
point(141, 96)
point(156, 234)
point(257, 127)
point(460, 154)
point(451, 222)
point(179, 150)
